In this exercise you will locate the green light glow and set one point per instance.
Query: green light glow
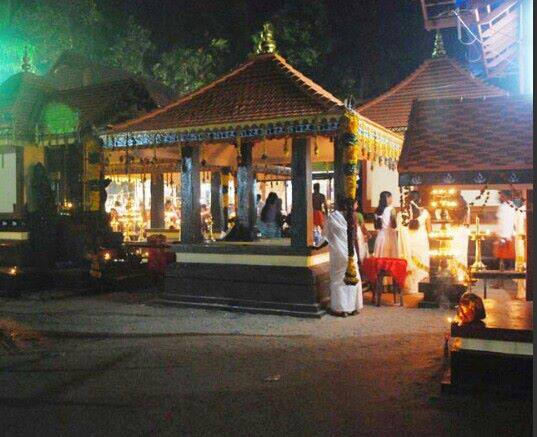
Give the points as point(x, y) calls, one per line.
point(11, 52)
point(59, 118)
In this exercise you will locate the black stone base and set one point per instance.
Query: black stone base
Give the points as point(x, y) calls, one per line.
point(296, 291)
point(489, 372)
point(436, 292)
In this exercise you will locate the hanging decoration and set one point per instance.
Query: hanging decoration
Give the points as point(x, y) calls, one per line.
point(226, 178)
point(286, 147)
point(349, 130)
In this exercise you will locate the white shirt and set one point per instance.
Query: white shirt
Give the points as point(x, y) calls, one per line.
point(506, 215)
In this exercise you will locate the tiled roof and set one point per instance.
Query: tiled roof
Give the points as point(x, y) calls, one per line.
point(264, 88)
point(436, 78)
point(73, 70)
point(450, 135)
point(106, 103)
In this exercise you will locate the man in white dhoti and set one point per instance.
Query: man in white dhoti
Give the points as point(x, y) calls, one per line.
point(344, 299)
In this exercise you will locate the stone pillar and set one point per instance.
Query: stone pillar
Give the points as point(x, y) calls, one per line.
point(225, 209)
point(216, 202)
point(246, 211)
point(302, 212)
point(529, 245)
point(339, 176)
point(157, 200)
point(190, 195)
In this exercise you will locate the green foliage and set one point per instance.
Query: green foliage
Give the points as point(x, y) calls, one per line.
point(302, 33)
point(131, 49)
point(186, 69)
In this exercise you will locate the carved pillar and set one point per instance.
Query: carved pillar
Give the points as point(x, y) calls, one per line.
point(216, 202)
point(190, 195)
point(246, 211)
point(302, 213)
point(157, 200)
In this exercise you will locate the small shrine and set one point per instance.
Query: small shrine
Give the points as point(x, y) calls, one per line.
point(264, 126)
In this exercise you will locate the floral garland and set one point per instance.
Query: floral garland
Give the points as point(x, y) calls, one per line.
point(349, 138)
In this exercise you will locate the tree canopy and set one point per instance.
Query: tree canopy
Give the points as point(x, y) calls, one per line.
point(339, 45)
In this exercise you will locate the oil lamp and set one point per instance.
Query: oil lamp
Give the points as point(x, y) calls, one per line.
point(478, 237)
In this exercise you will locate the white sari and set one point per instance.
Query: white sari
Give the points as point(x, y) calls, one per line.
point(343, 298)
point(416, 252)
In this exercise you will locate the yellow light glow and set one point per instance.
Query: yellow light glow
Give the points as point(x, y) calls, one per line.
point(450, 320)
point(13, 271)
point(434, 204)
point(107, 256)
point(451, 191)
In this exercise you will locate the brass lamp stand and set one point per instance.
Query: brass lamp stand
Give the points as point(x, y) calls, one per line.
point(478, 237)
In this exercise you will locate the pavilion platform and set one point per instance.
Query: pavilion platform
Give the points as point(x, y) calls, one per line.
point(265, 276)
point(496, 355)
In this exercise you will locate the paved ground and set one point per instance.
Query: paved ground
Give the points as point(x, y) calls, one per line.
point(134, 369)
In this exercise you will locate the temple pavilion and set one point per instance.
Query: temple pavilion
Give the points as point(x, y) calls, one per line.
point(263, 121)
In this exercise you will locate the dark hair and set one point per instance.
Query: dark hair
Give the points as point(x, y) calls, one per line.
point(316, 186)
point(341, 203)
point(258, 196)
point(383, 203)
point(414, 200)
point(459, 213)
point(270, 202)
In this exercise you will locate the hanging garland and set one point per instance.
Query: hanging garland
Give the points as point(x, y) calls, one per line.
point(349, 138)
point(226, 178)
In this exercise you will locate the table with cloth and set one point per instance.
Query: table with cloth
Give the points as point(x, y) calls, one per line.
point(375, 269)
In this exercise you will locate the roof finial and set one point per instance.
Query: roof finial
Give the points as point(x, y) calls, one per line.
point(26, 65)
point(264, 40)
point(439, 49)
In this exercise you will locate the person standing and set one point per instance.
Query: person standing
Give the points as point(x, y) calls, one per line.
point(504, 246)
point(320, 209)
point(385, 223)
point(417, 244)
point(362, 236)
point(344, 299)
point(259, 205)
point(271, 217)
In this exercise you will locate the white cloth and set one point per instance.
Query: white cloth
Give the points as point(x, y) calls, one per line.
point(506, 217)
point(386, 241)
point(363, 248)
point(416, 252)
point(343, 298)
point(259, 207)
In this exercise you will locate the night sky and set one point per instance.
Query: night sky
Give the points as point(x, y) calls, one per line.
point(385, 40)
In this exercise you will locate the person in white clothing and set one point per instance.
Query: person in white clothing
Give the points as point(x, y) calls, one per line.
point(416, 247)
point(385, 223)
point(344, 299)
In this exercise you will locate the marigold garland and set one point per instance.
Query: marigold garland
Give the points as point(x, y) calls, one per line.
point(349, 138)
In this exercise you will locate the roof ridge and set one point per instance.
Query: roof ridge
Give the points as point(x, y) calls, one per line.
point(464, 71)
point(186, 97)
point(398, 86)
point(319, 93)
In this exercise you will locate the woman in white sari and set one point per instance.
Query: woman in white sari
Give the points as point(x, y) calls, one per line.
point(414, 243)
point(344, 299)
point(385, 223)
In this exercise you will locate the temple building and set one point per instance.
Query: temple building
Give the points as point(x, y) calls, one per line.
point(263, 127)
point(54, 120)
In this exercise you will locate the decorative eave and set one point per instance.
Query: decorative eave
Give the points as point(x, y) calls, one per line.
point(467, 177)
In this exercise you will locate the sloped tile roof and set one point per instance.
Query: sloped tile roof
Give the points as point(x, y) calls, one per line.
point(437, 78)
point(265, 87)
point(450, 135)
point(72, 70)
point(102, 104)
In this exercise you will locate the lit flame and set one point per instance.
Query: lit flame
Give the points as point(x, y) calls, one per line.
point(13, 271)
point(107, 256)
